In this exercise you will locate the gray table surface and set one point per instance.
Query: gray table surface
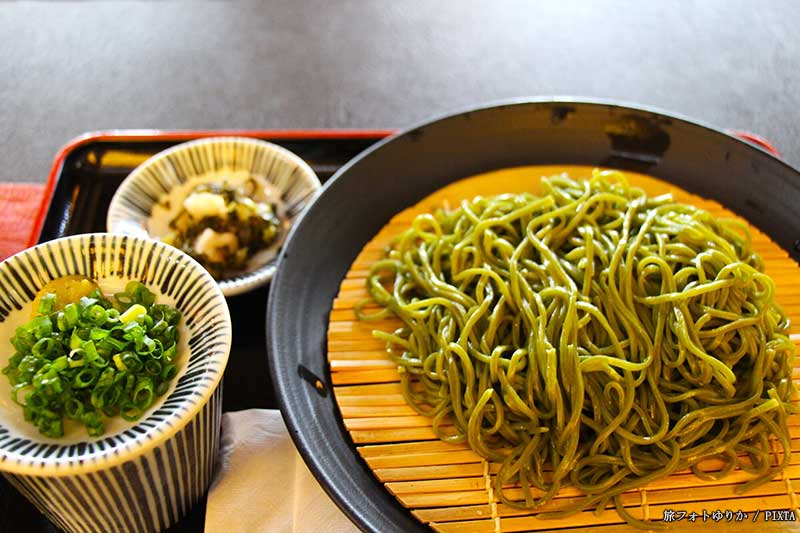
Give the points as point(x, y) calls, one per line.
point(67, 68)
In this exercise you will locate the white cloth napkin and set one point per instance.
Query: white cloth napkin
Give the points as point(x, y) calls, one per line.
point(262, 484)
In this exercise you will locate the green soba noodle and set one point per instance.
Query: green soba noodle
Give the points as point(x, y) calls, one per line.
point(590, 337)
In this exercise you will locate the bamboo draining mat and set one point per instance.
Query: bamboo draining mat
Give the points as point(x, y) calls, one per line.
point(448, 486)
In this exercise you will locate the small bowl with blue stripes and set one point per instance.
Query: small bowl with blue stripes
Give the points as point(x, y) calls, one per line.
point(142, 475)
point(149, 199)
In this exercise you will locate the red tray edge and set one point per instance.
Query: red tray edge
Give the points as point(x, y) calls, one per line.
point(178, 135)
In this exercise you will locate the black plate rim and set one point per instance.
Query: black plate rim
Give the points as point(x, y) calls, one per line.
point(291, 416)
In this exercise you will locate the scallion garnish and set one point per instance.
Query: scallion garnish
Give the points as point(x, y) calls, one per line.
point(93, 358)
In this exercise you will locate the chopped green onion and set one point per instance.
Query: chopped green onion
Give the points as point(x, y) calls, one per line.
point(162, 388)
point(71, 315)
point(143, 393)
point(93, 356)
point(111, 396)
point(41, 327)
point(60, 365)
point(169, 353)
point(29, 363)
point(73, 408)
point(97, 334)
point(84, 378)
point(77, 357)
point(145, 345)
point(158, 328)
point(169, 372)
point(130, 412)
point(46, 304)
point(97, 315)
point(119, 363)
point(134, 312)
point(23, 339)
point(112, 344)
point(152, 366)
point(131, 361)
point(43, 347)
point(75, 341)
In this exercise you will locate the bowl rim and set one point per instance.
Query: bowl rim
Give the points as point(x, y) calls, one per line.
point(299, 406)
point(113, 456)
point(259, 276)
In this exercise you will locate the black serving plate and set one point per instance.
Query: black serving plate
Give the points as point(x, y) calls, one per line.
point(85, 175)
point(399, 171)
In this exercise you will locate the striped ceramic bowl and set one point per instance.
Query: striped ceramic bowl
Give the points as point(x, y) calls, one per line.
point(138, 476)
point(136, 209)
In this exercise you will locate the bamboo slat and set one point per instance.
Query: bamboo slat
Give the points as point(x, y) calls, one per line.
point(450, 487)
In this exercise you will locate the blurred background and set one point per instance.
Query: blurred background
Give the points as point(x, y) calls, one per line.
point(67, 68)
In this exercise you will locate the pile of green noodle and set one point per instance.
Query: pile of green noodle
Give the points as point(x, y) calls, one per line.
point(591, 337)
